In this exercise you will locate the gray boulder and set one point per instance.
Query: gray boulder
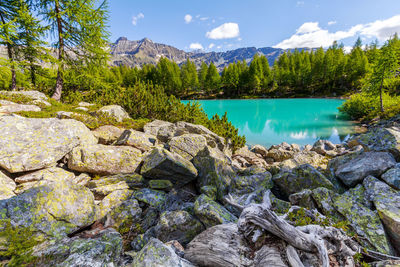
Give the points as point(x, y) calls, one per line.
point(387, 203)
point(125, 216)
point(103, 160)
point(107, 134)
point(31, 144)
point(53, 208)
point(211, 213)
point(34, 95)
point(187, 145)
point(153, 198)
point(302, 177)
point(162, 164)
point(368, 163)
point(11, 107)
point(214, 170)
point(154, 126)
point(114, 111)
point(177, 225)
point(102, 249)
point(392, 177)
point(379, 139)
point(156, 254)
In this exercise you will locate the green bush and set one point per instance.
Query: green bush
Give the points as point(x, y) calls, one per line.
point(363, 106)
point(145, 100)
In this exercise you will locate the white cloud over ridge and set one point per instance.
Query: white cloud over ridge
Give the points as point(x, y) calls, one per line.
point(333, 22)
point(136, 18)
point(225, 31)
point(311, 35)
point(196, 46)
point(211, 46)
point(188, 18)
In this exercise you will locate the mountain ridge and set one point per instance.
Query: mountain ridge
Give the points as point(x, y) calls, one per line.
point(145, 51)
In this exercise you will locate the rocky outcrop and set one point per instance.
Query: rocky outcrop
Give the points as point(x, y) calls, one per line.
point(162, 164)
point(155, 253)
point(114, 111)
point(32, 144)
point(387, 203)
point(54, 208)
point(187, 145)
point(101, 159)
point(302, 177)
point(211, 213)
point(369, 163)
point(11, 107)
point(392, 177)
point(102, 249)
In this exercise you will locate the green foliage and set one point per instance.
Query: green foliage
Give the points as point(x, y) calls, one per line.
point(363, 106)
point(145, 100)
point(17, 98)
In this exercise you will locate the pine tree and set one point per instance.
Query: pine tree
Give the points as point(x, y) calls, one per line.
point(8, 35)
point(80, 30)
point(384, 69)
point(202, 74)
point(31, 46)
point(213, 79)
point(189, 76)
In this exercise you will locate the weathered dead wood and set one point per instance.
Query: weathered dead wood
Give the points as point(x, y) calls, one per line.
point(310, 238)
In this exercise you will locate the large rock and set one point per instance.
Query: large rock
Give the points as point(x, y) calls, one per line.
point(102, 249)
point(112, 200)
point(53, 208)
point(153, 198)
point(101, 159)
point(368, 163)
point(219, 246)
point(177, 225)
point(124, 216)
point(11, 107)
point(34, 95)
point(324, 147)
point(363, 221)
point(214, 170)
point(50, 174)
point(187, 145)
point(392, 177)
point(140, 140)
point(107, 134)
point(102, 186)
point(211, 213)
point(162, 164)
point(154, 126)
point(31, 144)
point(302, 177)
point(7, 186)
point(114, 111)
point(304, 157)
point(387, 203)
point(379, 139)
point(156, 254)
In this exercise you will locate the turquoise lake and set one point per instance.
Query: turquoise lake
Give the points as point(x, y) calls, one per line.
point(273, 121)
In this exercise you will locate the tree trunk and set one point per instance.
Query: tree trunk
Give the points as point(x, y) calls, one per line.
point(13, 85)
point(32, 72)
point(381, 97)
point(60, 78)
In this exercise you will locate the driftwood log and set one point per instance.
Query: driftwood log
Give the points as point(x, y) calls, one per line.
point(323, 241)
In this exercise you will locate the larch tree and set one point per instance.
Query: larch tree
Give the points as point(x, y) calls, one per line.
point(8, 34)
point(79, 30)
point(384, 69)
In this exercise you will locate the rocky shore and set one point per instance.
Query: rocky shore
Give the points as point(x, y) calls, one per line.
point(175, 194)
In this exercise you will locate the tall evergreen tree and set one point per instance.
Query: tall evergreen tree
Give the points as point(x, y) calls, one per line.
point(8, 35)
point(189, 77)
point(202, 74)
point(213, 79)
point(80, 30)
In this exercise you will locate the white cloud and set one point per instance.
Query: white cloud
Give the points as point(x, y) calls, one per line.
point(300, 3)
point(311, 35)
point(308, 27)
point(188, 18)
point(333, 22)
point(204, 18)
point(136, 18)
point(196, 46)
point(382, 29)
point(219, 47)
point(239, 39)
point(225, 31)
point(211, 46)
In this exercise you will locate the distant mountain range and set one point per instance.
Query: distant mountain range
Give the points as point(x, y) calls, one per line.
point(145, 51)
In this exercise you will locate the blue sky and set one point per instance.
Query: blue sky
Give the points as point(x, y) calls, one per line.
point(219, 25)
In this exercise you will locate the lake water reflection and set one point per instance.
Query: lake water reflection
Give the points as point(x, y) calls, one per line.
point(272, 121)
